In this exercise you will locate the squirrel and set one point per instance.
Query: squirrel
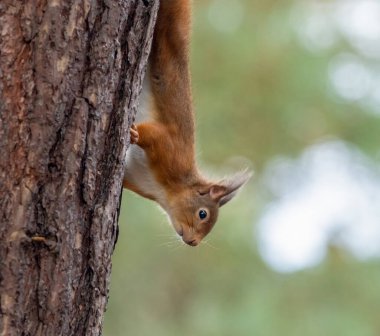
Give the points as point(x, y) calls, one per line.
point(160, 163)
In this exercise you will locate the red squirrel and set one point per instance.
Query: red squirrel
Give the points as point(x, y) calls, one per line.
point(160, 164)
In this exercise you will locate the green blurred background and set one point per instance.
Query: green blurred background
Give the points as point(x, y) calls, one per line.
point(291, 89)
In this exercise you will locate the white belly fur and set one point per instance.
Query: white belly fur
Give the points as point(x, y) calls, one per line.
point(137, 170)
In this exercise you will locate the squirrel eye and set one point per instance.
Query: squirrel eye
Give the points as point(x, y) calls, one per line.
point(202, 214)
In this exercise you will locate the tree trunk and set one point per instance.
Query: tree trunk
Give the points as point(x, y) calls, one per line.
point(70, 75)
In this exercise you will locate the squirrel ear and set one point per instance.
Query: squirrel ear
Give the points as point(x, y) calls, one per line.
point(226, 189)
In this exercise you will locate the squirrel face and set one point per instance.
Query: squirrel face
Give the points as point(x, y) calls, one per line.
point(194, 211)
point(193, 215)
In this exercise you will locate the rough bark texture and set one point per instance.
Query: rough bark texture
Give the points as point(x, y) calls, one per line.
point(70, 75)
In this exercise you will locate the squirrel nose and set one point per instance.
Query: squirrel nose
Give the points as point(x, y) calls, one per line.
point(191, 242)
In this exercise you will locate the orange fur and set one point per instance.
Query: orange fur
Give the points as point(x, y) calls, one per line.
point(166, 171)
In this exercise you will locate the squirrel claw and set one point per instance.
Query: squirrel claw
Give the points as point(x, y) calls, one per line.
point(38, 239)
point(134, 134)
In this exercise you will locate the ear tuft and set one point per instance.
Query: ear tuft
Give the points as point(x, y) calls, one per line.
point(226, 189)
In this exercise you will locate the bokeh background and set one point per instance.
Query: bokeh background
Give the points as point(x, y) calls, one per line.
point(292, 90)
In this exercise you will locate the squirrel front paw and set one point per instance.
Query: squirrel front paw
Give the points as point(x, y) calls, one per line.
point(134, 134)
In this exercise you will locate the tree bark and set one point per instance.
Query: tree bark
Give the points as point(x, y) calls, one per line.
point(70, 76)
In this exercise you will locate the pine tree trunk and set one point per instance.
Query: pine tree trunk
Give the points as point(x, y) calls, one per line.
point(70, 75)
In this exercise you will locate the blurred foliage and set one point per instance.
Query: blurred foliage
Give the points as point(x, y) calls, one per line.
point(258, 93)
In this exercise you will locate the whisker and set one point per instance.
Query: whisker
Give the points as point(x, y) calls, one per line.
point(170, 244)
point(170, 240)
point(167, 236)
point(210, 245)
point(167, 244)
point(177, 247)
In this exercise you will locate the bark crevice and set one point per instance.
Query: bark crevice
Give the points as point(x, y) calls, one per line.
point(70, 76)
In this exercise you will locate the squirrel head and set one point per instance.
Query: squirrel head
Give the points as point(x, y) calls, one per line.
point(194, 211)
